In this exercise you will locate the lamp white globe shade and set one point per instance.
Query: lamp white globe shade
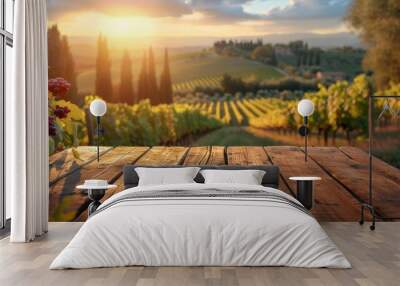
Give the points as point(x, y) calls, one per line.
point(98, 107)
point(305, 107)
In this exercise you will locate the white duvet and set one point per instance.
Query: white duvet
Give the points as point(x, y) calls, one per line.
point(200, 231)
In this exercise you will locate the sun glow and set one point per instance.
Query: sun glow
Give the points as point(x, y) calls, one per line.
point(132, 27)
point(85, 24)
point(126, 30)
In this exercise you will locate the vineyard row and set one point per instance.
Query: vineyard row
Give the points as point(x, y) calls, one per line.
point(237, 112)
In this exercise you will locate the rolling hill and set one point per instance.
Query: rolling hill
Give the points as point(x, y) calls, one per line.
point(185, 68)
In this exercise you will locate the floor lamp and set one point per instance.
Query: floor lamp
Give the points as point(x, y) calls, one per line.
point(369, 205)
point(98, 108)
point(305, 109)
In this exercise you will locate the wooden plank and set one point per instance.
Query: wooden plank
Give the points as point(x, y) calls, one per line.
point(379, 166)
point(332, 201)
point(283, 185)
point(66, 202)
point(247, 156)
point(63, 163)
point(354, 177)
point(217, 156)
point(154, 156)
point(114, 168)
point(59, 156)
point(164, 156)
point(67, 155)
point(132, 158)
point(197, 156)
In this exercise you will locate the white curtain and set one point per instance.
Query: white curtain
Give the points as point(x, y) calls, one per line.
point(27, 124)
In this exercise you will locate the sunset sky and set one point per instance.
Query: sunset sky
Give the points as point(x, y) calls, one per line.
point(197, 18)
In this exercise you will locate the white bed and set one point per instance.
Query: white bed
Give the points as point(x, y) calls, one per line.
point(201, 231)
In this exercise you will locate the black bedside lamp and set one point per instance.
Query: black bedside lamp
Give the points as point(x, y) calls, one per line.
point(305, 109)
point(98, 108)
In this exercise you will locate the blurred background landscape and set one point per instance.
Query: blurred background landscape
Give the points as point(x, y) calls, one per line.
point(224, 72)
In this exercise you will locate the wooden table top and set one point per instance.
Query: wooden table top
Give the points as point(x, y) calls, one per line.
point(343, 170)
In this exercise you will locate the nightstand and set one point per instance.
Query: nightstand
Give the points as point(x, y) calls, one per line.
point(305, 190)
point(95, 194)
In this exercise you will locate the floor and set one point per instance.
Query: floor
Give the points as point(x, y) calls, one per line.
point(5, 231)
point(344, 173)
point(375, 257)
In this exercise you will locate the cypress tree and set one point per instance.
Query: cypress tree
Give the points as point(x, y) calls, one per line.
point(68, 71)
point(126, 93)
point(311, 57)
point(143, 85)
point(99, 64)
point(152, 80)
point(299, 59)
point(54, 51)
point(61, 62)
point(107, 72)
point(274, 60)
point(165, 82)
point(318, 57)
point(305, 55)
point(103, 71)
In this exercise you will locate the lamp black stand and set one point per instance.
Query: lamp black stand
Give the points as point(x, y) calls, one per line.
point(369, 205)
point(303, 131)
point(95, 196)
point(98, 131)
point(306, 138)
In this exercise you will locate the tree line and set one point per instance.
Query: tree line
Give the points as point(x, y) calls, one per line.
point(61, 64)
point(305, 56)
point(249, 46)
point(266, 53)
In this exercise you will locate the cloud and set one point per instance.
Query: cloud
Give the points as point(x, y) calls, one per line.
point(213, 10)
point(282, 15)
point(151, 8)
point(310, 9)
point(293, 14)
point(223, 11)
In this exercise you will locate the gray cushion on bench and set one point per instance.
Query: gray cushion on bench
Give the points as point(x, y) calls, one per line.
point(270, 179)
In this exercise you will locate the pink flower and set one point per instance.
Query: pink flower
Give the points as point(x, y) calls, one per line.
point(59, 86)
point(61, 111)
point(52, 126)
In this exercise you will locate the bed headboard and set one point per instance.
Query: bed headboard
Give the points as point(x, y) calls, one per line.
point(270, 179)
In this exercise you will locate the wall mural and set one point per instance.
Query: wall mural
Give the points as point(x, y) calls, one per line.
point(192, 72)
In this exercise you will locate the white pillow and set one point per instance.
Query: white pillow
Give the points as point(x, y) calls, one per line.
point(166, 176)
point(247, 177)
